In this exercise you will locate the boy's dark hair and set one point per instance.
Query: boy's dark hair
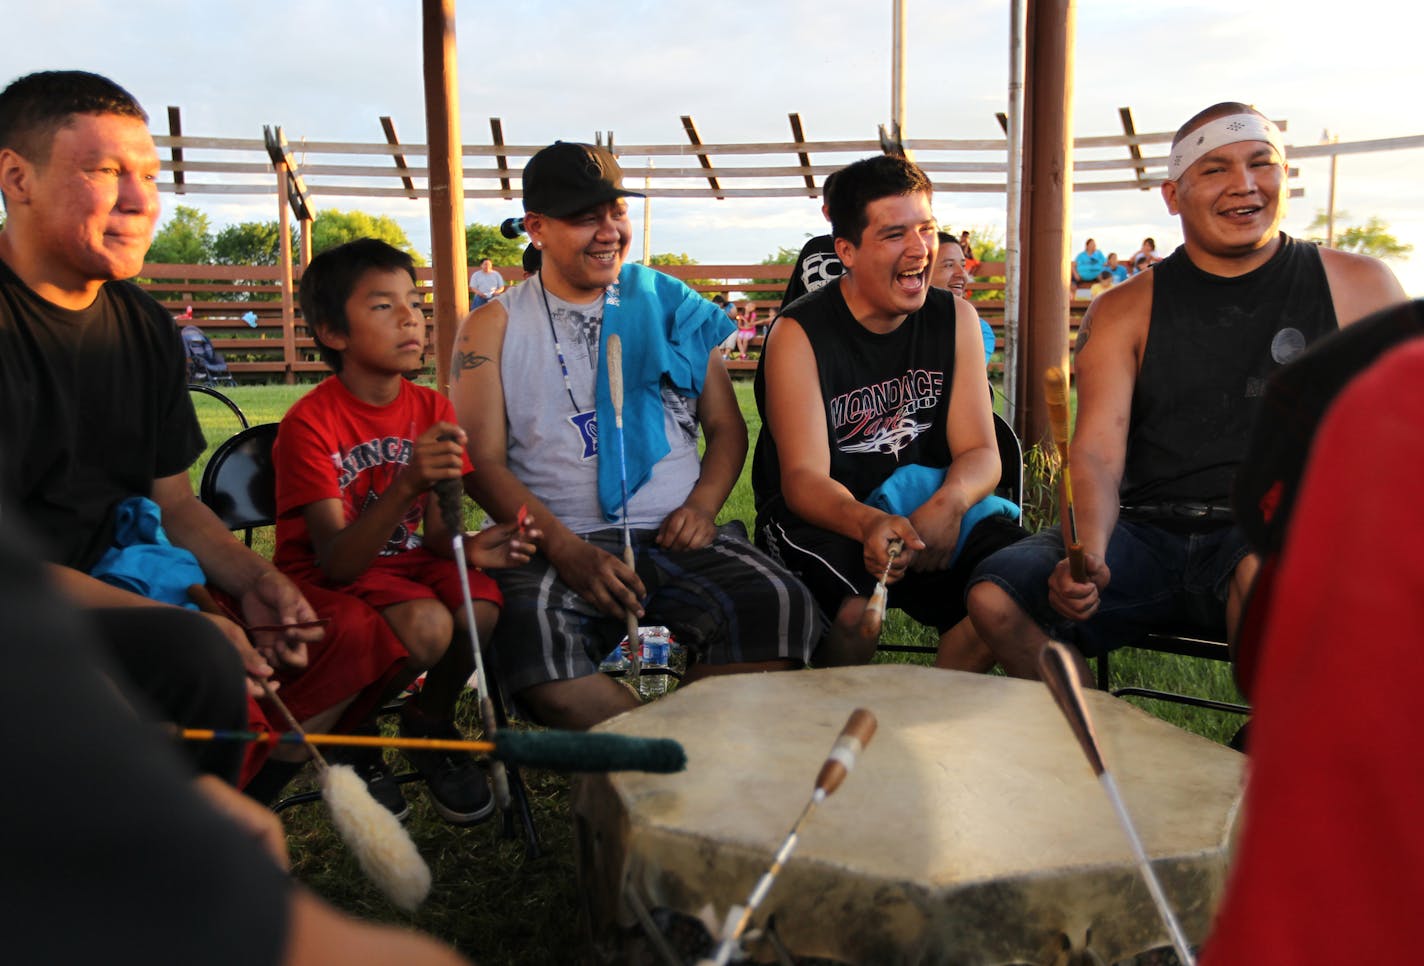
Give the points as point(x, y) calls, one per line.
point(330, 279)
point(828, 186)
point(867, 180)
point(37, 105)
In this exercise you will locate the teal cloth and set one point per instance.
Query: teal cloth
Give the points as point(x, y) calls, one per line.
point(910, 487)
point(143, 561)
point(669, 330)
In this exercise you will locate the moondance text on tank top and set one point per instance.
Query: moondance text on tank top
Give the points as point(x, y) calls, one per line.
point(373, 452)
point(916, 389)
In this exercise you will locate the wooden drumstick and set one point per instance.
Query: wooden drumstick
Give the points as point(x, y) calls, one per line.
point(447, 495)
point(1055, 393)
point(1056, 666)
point(859, 729)
point(615, 390)
point(382, 846)
point(874, 614)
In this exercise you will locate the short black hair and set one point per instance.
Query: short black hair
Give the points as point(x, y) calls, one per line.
point(331, 278)
point(867, 180)
point(37, 105)
point(828, 186)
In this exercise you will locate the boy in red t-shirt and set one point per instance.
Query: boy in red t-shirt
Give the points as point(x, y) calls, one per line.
point(356, 461)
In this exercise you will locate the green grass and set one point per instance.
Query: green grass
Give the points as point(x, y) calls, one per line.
point(488, 900)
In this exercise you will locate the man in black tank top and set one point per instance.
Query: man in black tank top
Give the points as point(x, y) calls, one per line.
point(1171, 366)
point(897, 374)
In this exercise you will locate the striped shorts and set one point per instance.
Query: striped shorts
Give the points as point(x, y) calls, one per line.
point(728, 603)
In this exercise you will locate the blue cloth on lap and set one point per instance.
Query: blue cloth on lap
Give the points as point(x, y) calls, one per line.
point(666, 329)
point(911, 486)
point(143, 561)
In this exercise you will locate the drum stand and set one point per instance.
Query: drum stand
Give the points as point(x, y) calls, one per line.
point(671, 957)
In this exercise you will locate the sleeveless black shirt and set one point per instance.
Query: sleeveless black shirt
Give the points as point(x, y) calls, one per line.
point(886, 396)
point(1211, 344)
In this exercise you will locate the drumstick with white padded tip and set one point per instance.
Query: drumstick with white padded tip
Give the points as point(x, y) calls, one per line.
point(615, 390)
point(874, 615)
point(1056, 665)
point(447, 495)
point(381, 845)
point(856, 734)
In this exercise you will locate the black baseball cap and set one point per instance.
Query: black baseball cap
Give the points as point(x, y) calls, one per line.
point(567, 177)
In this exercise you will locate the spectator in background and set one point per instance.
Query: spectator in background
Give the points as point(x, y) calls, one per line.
point(746, 328)
point(951, 271)
point(1088, 265)
point(1119, 270)
point(1105, 281)
point(1148, 251)
point(1140, 264)
point(485, 284)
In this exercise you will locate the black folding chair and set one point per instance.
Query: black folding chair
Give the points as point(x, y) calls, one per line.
point(240, 486)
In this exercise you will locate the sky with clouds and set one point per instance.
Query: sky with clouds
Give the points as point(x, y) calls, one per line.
point(327, 69)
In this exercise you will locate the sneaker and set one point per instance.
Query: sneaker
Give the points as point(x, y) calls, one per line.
point(369, 764)
point(381, 782)
point(456, 785)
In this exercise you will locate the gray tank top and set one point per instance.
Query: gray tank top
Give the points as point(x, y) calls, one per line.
point(552, 440)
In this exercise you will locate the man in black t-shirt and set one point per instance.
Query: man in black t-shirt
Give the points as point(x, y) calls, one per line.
point(94, 408)
point(898, 369)
point(1167, 386)
point(159, 866)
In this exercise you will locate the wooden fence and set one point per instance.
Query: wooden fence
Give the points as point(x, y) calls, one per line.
point(262, 336)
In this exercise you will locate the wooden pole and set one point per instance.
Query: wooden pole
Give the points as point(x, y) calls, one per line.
point(647, 215)
point(284, 259)
point(1012, 123)
point(1048, 206)
point(897, 72)
point(304, 242)
point(447, 197)
point(1330, 203)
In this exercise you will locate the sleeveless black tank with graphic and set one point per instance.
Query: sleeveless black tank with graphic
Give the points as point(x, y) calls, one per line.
point(1211, 345)
point(886, 396)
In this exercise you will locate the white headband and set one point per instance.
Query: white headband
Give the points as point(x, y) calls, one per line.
point(1223, 130)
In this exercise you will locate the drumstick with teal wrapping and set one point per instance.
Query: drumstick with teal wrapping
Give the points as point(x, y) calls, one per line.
point(856, 734)
point(615, 391)
point(1055, 394)
point(447, 495)
point(1056, 665)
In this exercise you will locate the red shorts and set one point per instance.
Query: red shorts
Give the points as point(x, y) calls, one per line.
point(420, 575)
point(359, 655)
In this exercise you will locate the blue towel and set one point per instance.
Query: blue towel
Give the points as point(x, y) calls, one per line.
point(667, 329)
point(910, 486)
point(143, 561)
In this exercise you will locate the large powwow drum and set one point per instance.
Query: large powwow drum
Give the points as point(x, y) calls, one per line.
point(972, 829)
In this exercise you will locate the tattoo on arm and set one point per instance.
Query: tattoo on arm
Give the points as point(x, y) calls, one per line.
point(1083, 334)
point(468, 360)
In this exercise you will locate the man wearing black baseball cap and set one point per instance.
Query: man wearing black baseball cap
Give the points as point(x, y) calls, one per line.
point(531, 391)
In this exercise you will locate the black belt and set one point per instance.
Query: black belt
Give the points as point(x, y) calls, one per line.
point(1178, 511)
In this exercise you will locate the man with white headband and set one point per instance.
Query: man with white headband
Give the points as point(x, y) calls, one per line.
point(1170, 369)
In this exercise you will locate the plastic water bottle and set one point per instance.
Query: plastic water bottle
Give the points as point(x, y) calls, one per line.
point(617, 659)
point(657, 644)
